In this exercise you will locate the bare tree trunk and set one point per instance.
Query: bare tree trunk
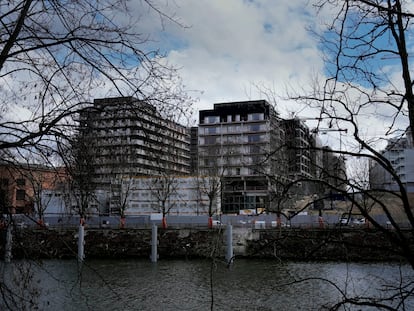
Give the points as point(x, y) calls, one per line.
point(122, 222)
point(164, 222)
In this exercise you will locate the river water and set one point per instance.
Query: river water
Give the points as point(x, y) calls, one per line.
point(198, 284)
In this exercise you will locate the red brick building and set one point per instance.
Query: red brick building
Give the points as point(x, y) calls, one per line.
point(21, 185)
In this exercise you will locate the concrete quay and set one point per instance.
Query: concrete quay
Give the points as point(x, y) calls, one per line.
point(341, 244)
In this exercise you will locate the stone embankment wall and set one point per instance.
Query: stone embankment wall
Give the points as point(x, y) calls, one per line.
point(283, 244)
point(334, 244)
point(109, 243)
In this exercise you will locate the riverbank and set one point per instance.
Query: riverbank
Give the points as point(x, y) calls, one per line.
point(280, 243)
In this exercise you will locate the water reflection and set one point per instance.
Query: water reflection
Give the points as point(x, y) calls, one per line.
point(199, 284)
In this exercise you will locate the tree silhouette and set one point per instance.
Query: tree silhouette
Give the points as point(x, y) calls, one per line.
point(55, 56)
point(368, 90)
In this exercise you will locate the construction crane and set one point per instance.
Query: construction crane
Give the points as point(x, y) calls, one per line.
point(326, 130)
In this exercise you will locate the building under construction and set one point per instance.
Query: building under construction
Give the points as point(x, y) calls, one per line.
point(241, 143)
point(124, 137)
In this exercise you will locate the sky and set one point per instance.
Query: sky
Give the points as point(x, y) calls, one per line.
point(236, 50)
point(229, 50)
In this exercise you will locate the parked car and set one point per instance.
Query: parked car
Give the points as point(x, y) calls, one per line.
point(359, 221)
point(351, 219)
point(282, 224)
point(344, 221)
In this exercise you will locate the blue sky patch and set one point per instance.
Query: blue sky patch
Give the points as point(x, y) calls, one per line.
point(268, 27)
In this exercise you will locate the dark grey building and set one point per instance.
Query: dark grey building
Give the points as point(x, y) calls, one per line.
point(240, 143)
point(127, 137)
point(194, 150)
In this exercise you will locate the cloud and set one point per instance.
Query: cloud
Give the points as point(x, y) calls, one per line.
point(228, 45)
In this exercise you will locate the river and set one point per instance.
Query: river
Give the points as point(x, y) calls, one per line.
point(198, 284)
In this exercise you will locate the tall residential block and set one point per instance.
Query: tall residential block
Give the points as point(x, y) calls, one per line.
point(127, 137)
point(400, 153)
point(304, 160)
point(240, 142)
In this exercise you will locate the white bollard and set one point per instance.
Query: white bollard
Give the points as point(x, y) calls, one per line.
point(229, 244)
point(81, 243)
point(154, 243)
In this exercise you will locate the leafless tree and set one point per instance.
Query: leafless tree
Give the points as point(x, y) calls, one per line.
point(163, 187)
point(40, 180)
point(54, 56)
point(77, 161)
point(18, 289)
point(368, 82)
point(121, 201)
point(211, 187)
point(363, 37)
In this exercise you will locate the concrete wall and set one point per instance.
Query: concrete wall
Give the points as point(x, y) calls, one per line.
point(281, 244)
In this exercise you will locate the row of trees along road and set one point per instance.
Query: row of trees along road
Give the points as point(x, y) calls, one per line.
point(54, 55)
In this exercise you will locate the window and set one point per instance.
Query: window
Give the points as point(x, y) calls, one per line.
point(20, 195)
point(212, 130)
point(254, 149)
point(233, 139)
point(254, 128)
point(210, 163)
point(234, 129)
point(212, 119)
point(210, 140)
point(256, 117)
point(253, 138)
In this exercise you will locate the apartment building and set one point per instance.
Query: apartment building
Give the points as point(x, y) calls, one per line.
point(22, 185)
point(334, 171)
point(298, 142)
point(240, 142)
point(400, 153)
point(128, 137)
point(305, 156)
point(194, 150)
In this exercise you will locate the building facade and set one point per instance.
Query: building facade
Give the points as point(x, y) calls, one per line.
point(240, 143)
point(302, 155)
point(400, 153)
point(334, 172)
point(128, 137)
point(183, 196)
point(194, 150)
point(22, 185)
